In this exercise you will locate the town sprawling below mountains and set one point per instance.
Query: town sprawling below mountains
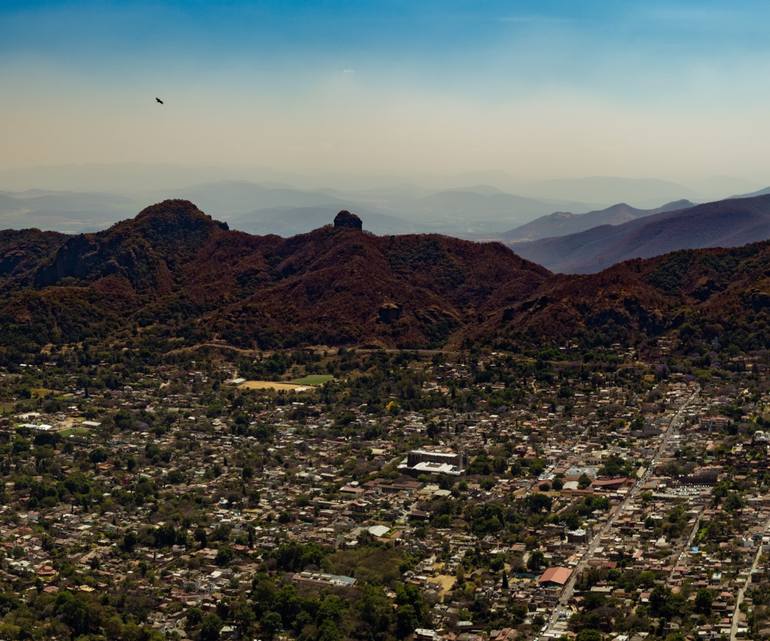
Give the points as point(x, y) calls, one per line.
point(557, 429)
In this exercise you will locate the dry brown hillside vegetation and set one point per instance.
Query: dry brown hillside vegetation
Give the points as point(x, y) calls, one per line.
point(173, 276)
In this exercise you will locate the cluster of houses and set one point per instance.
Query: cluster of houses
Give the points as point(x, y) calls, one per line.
point(652, 457)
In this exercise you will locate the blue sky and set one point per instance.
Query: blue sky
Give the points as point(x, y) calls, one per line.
point(425, 40)
point(380, 86)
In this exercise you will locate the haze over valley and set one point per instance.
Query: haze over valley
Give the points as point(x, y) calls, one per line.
point(562, 235)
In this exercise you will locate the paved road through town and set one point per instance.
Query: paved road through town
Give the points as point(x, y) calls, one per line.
point(744, 587)
point(560, 612)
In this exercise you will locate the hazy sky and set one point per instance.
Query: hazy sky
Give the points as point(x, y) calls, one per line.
point(535, 88)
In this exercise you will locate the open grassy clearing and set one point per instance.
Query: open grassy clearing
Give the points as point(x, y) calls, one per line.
point(445, 582)
point(274, 385)
point(313, 379)
point(74, 431)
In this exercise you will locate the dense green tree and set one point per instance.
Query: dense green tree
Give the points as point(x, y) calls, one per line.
point(703, 600)
point(211, 625)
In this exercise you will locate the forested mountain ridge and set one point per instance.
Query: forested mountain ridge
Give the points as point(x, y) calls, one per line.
point(174, 276)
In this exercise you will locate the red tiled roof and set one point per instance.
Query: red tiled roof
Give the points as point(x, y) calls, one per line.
point(555, 575)
point(610, 482)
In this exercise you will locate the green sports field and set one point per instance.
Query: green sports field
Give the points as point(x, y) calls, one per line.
point(313, 379)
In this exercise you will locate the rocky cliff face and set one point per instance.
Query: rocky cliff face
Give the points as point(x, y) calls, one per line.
point(347, 220)
point(23, 251)
point(143, 250)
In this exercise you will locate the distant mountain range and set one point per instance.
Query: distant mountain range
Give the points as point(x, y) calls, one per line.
point(265, 208)
point(561, 223)
point(643, 192)
point(472, 206)
point(144, 179)
point(724, 223)
point(173, 277)
point(476, 210)
point(62, 211)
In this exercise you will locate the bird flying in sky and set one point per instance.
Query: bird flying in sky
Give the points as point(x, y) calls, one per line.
point(159, 101)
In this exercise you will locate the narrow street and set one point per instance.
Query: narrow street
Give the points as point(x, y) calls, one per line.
point(688, 544)
point(742, 592)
